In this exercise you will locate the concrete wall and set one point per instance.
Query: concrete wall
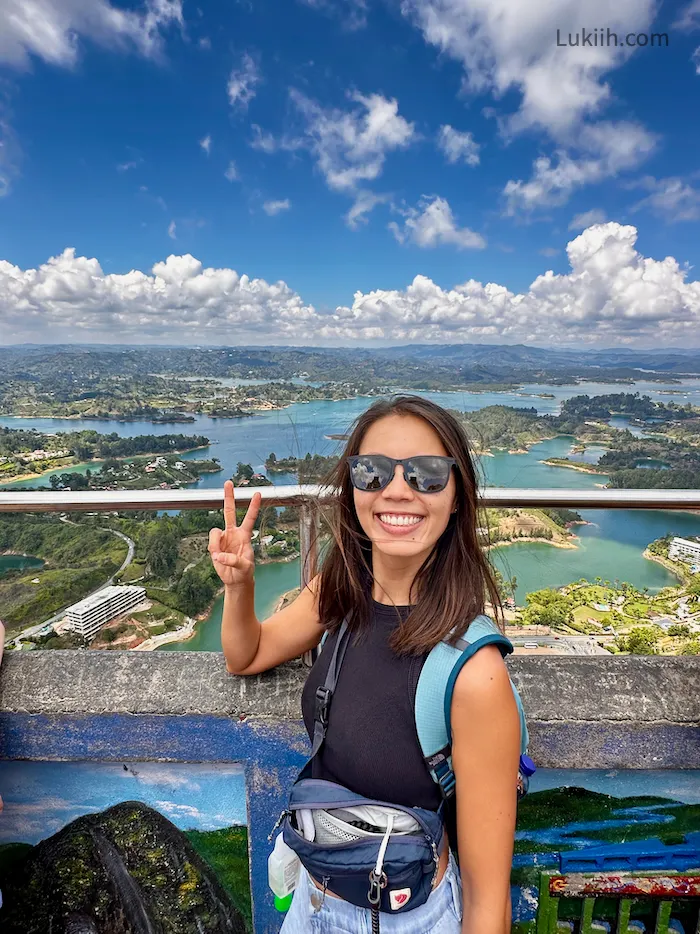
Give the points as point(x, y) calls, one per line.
point(583, 713)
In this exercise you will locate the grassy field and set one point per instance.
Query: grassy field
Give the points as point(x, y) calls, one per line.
point(226, 851)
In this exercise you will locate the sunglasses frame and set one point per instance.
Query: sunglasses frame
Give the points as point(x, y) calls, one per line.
point(353, 458)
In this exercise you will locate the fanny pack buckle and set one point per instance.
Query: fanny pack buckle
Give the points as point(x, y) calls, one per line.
point(376, 884)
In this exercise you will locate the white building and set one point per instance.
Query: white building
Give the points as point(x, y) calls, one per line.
point(87, 616)
point(683, 548)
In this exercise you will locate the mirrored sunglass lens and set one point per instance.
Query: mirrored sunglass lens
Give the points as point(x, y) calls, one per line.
point(428, 474)
point(368, 474)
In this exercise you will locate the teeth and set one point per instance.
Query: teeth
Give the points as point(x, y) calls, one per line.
point(400, 520)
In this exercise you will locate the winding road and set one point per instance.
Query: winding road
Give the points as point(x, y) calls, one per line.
point(35, 630)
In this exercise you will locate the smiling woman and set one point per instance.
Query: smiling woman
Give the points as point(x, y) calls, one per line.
point(404, 573)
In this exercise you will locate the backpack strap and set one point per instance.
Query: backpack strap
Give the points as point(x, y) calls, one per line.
point(434, 697)
point(324, 693)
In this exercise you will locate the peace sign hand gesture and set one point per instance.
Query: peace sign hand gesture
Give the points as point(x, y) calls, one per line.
point(231, 549)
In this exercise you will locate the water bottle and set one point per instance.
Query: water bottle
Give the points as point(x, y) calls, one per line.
point(283, 867)
point(526, 769)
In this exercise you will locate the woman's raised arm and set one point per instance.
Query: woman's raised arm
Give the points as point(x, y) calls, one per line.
point(249, 645)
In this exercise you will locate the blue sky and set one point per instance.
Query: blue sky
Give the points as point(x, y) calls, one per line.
point(343, 148)
point(42, 797)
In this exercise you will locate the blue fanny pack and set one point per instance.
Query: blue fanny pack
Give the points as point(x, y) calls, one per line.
point(375, 854)
point(389, 871)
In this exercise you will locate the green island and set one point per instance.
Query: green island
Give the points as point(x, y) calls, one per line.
point(25, 454)
point(667, 457)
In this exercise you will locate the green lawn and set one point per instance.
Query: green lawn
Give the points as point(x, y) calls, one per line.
point(581, 614)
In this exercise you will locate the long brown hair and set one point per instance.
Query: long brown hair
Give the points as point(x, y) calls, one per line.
point(450, 587)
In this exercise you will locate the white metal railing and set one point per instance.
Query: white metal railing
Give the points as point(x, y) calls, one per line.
point(105, 501)
point(302, 496)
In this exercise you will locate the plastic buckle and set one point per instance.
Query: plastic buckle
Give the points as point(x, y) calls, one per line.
point(323, 702)
point(376, 884)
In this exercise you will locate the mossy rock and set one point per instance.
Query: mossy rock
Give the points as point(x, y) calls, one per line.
point(127, 870)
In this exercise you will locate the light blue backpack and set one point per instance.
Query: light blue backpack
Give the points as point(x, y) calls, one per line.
point(434, 702)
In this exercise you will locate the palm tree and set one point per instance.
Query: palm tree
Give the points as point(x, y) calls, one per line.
point(512, 584)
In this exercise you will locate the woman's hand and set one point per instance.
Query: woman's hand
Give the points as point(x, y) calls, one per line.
point(231, 549)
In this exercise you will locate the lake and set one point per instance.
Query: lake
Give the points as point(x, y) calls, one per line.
point(13, 562)
point(611, 547)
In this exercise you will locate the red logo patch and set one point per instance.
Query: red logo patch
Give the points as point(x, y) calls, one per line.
point(399, 897)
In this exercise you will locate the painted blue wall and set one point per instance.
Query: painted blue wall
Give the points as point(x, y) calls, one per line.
point(271, 753)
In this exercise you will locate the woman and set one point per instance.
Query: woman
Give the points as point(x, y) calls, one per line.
point(405, 559)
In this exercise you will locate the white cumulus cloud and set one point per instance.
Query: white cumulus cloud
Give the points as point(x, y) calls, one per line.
point(689, 17)
point(351, 146)
point(611, 292)
point(231, 172)
point(510, 46)
point(243, 82)
point(179, 295)
point(52, 29)
point(695, 59)
point(206, 144)
point(365, 202)
point(171, 230)
point(606, 149)
point(458, 146)
point(432, 224)
point(275, 207)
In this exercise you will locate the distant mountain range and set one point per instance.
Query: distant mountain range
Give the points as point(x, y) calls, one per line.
point(475, 363)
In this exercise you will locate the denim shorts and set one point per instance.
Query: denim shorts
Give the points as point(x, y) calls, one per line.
point(441, 913)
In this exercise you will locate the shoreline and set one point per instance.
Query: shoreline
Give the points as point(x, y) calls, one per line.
point(20, 554)
point(100, 460)
point(591, 469)
point(541, 541)
point(203, 616)
point(664, 562)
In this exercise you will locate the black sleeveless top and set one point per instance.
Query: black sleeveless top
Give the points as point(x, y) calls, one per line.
point(371, 745)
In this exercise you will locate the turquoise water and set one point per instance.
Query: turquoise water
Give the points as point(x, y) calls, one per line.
point(610, 548)
point(12, 562)
point(271, 581)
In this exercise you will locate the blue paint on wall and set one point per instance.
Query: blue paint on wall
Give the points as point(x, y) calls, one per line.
point(272, 752)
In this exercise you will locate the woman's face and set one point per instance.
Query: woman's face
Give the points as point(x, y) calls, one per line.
point(427, 514)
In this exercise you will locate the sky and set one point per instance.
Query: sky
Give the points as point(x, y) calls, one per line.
point(350, 172)
point(42, 797)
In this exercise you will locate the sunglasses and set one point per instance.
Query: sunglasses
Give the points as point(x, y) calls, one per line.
point(426, 473)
